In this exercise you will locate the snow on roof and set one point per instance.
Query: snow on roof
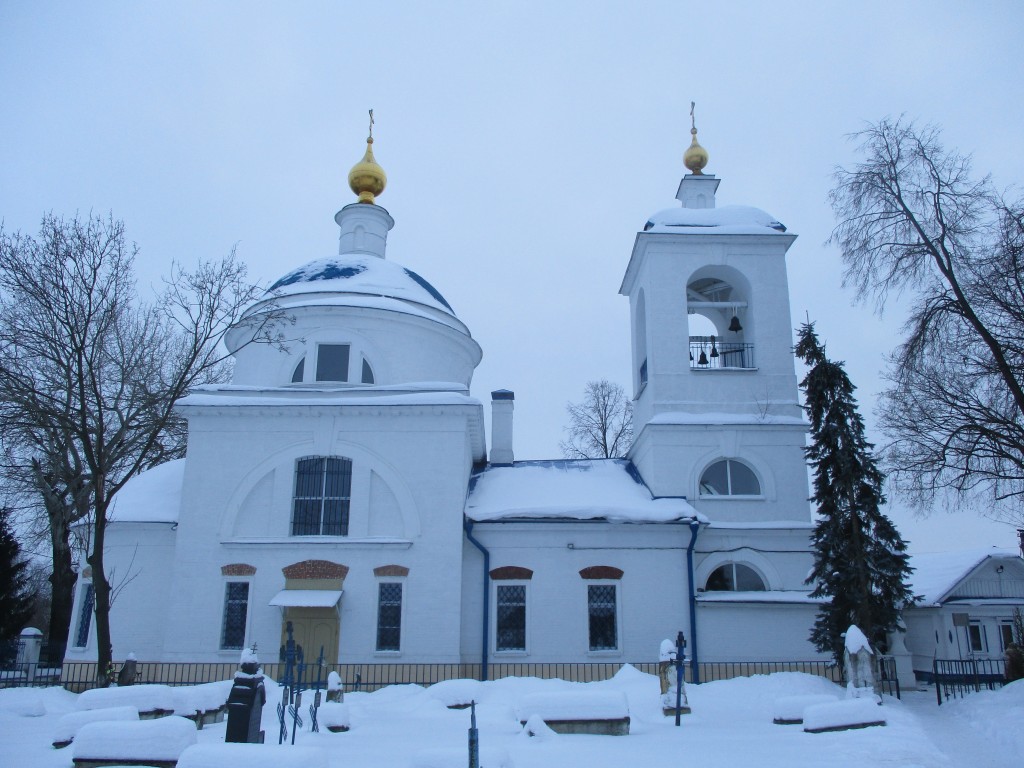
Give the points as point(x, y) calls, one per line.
point(152, 497)
point(729, 219)
point(725, 418)
point(936, 574)
point(306, 598)
point(584, 489)
point(276, 396)
point(761, 596)
point(363, 274)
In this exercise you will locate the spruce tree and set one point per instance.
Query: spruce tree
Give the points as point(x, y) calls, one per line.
point(860, 559)
point(16, 599)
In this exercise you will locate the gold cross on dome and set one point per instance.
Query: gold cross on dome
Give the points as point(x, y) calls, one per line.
point(693, 120)
point(371, 123)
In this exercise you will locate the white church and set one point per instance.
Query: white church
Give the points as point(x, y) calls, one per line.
point(346, 484)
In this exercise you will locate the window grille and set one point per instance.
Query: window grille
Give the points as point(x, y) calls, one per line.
point(511, 617)
point(236, 609)
point(601, 606)
point(323, 488)
point(389, 617)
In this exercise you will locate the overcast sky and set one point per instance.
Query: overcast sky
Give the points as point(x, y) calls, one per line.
point(525, 144)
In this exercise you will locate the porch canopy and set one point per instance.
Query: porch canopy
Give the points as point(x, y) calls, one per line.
point(307, 598)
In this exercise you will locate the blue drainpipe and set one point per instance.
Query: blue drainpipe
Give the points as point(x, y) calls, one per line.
point(694, 670)
point(468, 525)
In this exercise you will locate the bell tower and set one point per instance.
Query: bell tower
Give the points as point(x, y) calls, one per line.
point(716, 407)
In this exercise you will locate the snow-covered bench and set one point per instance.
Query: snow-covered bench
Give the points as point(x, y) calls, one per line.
point(789, 710)
point(203, 704)
point(843, 716)
point(253, 756)
point(150, 700)
point(157, 743)
point(68, 726)
point(604, 713)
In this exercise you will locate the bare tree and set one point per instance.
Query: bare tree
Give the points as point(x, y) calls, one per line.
point(912, 220)
point(600, 427)
point(90, 373)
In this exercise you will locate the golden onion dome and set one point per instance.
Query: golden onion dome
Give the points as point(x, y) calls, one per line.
point(367, 179)
point(695, 157)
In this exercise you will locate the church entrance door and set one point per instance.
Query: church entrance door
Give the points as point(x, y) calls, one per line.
point(313, 629)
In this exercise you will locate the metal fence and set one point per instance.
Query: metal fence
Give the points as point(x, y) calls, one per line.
point(958, 677)
point(80, 676)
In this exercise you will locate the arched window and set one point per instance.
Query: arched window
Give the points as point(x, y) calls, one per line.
point(728, 477)
point(323, 489)
point(299, 372)
point(734, 577)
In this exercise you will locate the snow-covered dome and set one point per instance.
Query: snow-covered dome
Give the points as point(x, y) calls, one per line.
point(729, 219)
point(363, 275)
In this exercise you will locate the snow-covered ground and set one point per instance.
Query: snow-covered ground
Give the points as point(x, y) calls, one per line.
point(731, 725)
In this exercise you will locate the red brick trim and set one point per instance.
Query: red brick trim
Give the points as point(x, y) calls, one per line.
point(391, 570)
point(601, 572)
point(315, 569)
point(238, 569)
point(511, 572)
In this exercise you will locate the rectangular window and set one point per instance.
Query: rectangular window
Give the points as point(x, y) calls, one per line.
point(511, 617)
point(389, 617)
point(977, 637)
point(323, 489)
point(236, 609)
point(85, 616)
point(1005, 633)
point(332, 362)
point(601, 608)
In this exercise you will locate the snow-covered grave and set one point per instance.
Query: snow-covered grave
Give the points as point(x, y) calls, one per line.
point(843, 715)
point(604, 713)
point(456, 694)
point(151, 700)
point(252, 756)
point(335, 687)
point(69, 724)
point(789, 710)
point(335, 716)
point(205, 703)
point(157, 743)
point(404, 725)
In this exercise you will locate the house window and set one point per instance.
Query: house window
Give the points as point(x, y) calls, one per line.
point(602, 611)
point(332, 362)
point(236, 610)
point(1005, 633)
point(367, 373)
point(977, 637)
point(299, 372)
point(389, 616)
point(729, 478)
point(323, 487)
point(511, 618)
point(85, 615)
point(734, 577)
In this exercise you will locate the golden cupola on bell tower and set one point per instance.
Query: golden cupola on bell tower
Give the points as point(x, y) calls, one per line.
point(367, 179)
